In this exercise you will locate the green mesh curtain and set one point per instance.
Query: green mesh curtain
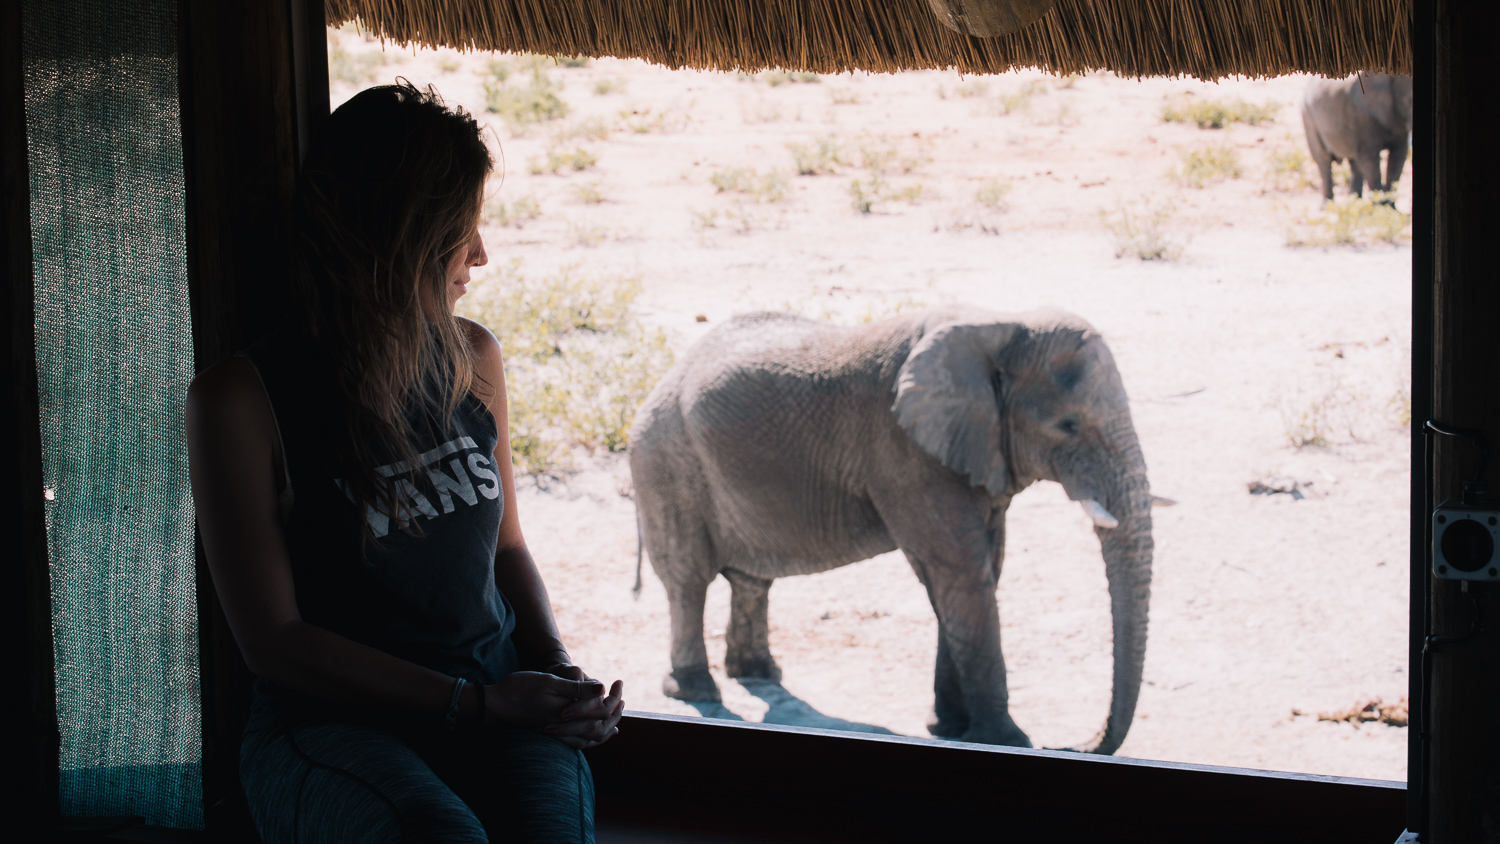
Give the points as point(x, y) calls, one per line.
point(114, 356)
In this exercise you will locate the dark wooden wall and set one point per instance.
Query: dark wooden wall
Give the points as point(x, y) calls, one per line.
point(254, 85)
point(1464, 719)
point(28, 707)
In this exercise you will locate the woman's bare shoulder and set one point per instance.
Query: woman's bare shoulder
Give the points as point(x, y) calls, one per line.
point(230, 393)
point(482, 342)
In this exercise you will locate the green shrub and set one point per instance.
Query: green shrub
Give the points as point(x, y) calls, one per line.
point(991, 193)
point(1353, 220)
point(516, 214)
point(571, 61)
point(973, 88)
point(646, 120)
point(559, 159)
point(1018, 100)
point(590, 193)
point(1288, 169)
point(589, 129)
point(1216, 114)
point(578, 361)
point(1202, 167)
point(344, 66)
point(821, 157)
point(522, 105)
point(770, 186)
point(844, 96)
point(609, 86)
point(784, 77)
point(1141, 232)
point(865, 195)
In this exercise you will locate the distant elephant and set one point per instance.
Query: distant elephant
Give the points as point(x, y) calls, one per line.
point(781, 446)
point(1354, 119)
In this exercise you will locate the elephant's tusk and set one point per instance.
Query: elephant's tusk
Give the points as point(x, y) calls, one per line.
point(1158, 501)
point(1101, 516)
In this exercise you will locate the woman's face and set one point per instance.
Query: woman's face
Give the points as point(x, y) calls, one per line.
point(471, 255)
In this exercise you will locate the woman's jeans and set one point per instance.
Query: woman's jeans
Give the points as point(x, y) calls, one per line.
point(311, 782)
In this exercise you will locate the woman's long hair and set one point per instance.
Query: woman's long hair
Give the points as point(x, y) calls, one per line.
point(389, 197)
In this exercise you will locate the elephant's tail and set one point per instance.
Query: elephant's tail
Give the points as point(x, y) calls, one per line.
point(635, 591)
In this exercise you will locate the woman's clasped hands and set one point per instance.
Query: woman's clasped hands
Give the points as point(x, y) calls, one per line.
point(561, 702)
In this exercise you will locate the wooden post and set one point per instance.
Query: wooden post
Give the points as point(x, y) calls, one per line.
point(254, 86)
point(30, 713)
point(1463, 758)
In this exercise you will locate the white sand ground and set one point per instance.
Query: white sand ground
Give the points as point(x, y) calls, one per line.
point(1261, 604)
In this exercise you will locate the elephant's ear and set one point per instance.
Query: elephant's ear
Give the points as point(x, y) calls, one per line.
point(947, 403)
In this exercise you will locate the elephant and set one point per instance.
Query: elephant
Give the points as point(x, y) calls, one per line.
point(1354, 119)
point(782, 446)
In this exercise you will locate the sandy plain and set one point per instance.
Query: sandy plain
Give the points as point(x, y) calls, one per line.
point(1262, 604)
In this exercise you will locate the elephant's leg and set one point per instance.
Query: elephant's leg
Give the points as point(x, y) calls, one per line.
point(1320, 155)
point(1395, 163)
point(950, 717)
point(1365, 170)
point(747, 641)
point(952, 542)
point(689, 679)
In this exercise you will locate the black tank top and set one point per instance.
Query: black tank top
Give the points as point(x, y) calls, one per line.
point(430, 599)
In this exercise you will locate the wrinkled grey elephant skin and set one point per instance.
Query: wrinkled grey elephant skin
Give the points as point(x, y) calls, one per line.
point(781, 446)
point(1353, 120)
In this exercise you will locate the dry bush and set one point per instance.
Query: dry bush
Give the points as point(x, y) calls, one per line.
point(586, 235)
point(776, 78)
point(973, 88)
point(448, 65)
point(1019, 99)
point(991, 193)
point(881, 155)
point(615, 85)
point(823, 156)
point(513, 215)
point(770, 186)
point(1205, 166)
point(1321, 418)
point(571, 61)
point(645, 120)
point(559, 159)
point(1401, 404)
point(1352, 221)
point(1216, 114)
point(866, 195)
point(578, 361)
point(1289, 169)
point(1394, 714)
point(589, 129)
point(761, 111)
point(590, 193)
point(352, 69)
point(520, 106)
point(844, 96)
point(1141, 231)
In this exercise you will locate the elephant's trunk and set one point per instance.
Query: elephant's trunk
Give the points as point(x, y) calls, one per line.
point(1127, 551)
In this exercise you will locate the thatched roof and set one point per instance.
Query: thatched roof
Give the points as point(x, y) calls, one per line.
point(1207, 39)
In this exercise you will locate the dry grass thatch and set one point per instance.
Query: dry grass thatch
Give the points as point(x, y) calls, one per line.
point(1207, 39)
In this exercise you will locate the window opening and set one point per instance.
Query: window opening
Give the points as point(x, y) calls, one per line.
point(114, 357)
point(1263, 337)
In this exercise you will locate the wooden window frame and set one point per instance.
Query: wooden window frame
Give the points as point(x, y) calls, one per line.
point(254, 84)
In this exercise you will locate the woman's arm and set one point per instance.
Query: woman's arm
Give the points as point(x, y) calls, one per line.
point(537, 641)
point(232, 446)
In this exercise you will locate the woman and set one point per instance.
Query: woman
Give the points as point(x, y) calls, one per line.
point(356, 504)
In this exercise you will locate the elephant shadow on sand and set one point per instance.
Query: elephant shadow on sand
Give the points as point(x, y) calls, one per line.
point(785, 709)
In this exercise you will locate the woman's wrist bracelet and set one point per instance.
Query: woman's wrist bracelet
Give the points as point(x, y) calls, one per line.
point(452, 716)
